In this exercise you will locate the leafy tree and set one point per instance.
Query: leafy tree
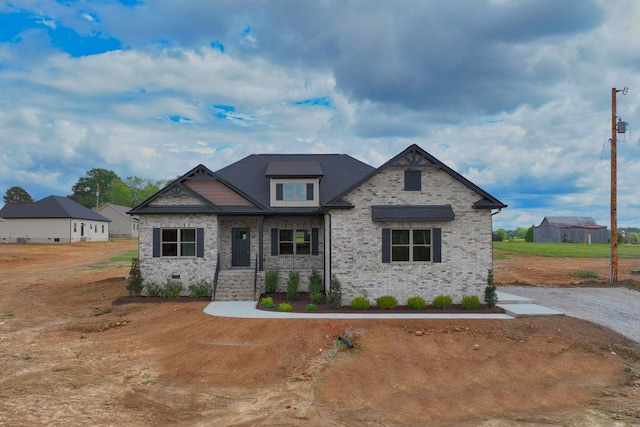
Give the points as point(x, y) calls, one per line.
point(502, 233)
point(17, 195)
point(632, 237)
point(528, 237)
point(93, 188)
point(141, 189)
point(120, 194)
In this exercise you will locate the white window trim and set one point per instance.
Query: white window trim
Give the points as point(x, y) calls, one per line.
point(295, 203)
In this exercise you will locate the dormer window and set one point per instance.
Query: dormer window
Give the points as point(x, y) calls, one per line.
point(294, 183)
point(294, 191)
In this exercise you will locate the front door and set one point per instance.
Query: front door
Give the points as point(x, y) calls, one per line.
point(240, 248)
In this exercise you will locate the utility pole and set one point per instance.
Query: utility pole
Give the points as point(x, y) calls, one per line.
point(97, 195)
point(614, 190)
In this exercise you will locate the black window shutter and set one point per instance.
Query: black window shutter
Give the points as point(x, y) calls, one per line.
point(200, 242)
point(436, 241)
point(156, 242)
point(386, 245)
point(274, 242)
point(412, 181)
point(310, 191)
point(279, 191)
point(314, 241)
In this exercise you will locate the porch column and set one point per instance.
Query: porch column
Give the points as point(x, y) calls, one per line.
point(260, 243)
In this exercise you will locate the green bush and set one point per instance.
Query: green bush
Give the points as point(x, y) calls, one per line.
point(153, 290)
point(266, 300)
point(271, 280)
point(283, 306)
point(270, 304)
point(316, 298)
point(334, 299)
point(416, 303)
point(310, 307)
point(200, 289)
point(315, 282)
point(171, 289)
point(386, 302)
point(292, 285)
point(360, 303)
point(135, 278)
point(469, 302)
point(490, 291)
point(442, 301)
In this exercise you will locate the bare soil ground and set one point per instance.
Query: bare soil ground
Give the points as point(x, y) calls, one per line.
point(70, 356)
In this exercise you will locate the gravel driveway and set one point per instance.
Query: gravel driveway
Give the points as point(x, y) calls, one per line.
point(616, 308)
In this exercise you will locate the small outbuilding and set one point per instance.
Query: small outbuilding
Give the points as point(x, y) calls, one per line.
point(122, 224)
point(570, 229)
point(54, 219)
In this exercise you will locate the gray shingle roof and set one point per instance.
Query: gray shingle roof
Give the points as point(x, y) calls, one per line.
point(249, 175)
point(50, 207)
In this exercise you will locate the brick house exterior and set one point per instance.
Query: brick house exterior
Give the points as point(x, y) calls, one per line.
point(412, 227)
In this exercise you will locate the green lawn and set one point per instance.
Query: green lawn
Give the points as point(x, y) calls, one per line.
point(560, 250)
point(119, 261)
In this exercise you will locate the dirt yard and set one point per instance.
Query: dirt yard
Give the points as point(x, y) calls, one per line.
point(69, 356)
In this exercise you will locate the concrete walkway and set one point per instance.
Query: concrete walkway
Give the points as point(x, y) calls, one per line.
point(514, 306)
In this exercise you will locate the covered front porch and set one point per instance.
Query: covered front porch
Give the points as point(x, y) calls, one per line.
point(250, 246)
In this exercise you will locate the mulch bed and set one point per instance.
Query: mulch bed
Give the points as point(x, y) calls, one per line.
point(304, 299)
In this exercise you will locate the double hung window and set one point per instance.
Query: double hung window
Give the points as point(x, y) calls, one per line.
point(294, 241)
point(178, 242)
point(411, 245)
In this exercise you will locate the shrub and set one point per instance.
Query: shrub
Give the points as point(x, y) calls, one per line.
point(292, 285)
point(271, 280)
point(310, 307)
point(171, 289)
point(490, 291)
point(360, 303)
point(153, 290)
point(200, 289)
point(135, 278)
point(442, 301)
point(386, 302)
point(469, 302)
point(270, 304)
point(334, 299)
point(315, 282)
point(266, 301)
point(283, 306)
point(416, 303)
point(316, 298)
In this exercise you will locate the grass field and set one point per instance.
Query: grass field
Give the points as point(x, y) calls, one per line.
point(566, 250)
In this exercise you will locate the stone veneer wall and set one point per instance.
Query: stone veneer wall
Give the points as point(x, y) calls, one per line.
point(356, 241)
point(190, 269)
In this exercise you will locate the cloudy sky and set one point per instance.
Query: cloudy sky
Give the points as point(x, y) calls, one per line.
point(513, 94)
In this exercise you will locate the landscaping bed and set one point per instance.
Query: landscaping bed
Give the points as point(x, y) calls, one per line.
point(300, 306)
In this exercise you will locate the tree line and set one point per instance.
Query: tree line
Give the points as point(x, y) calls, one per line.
point(99, 187)
point(630, 235)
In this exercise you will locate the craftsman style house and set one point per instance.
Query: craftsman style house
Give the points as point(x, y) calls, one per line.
point(412, 227)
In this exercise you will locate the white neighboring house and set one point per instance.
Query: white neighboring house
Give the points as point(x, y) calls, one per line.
point(122, 224)
point(54, 219)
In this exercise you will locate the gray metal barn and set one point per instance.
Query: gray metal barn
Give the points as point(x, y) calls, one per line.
point(570, 229)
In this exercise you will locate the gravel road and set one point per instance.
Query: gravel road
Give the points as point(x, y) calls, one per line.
point(616, 308)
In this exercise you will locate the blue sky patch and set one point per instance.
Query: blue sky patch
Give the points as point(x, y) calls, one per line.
point(322, 101)
point(217, 45)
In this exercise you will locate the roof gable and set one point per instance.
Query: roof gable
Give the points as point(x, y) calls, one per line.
point(211, 192)
point(416, 157)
